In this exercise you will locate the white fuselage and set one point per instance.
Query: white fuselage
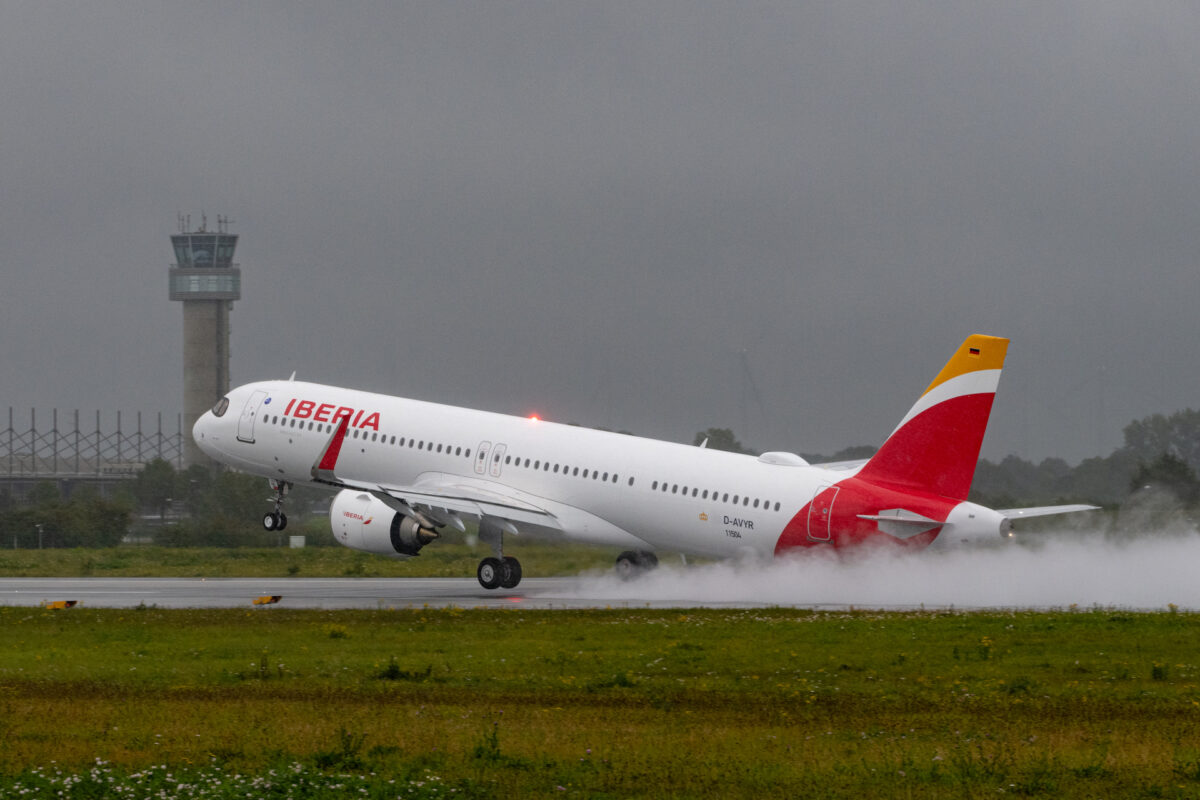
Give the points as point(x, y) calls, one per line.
point(599, 486)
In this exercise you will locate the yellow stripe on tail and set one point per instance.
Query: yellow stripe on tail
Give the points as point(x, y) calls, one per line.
point(978, 352)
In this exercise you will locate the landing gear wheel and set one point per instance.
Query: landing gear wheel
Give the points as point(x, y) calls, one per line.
point(631, 564)
point(277, 520)
point(510, 570)
point(490, 573)
point(627, 565)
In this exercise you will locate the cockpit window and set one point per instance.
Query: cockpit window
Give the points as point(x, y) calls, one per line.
point(220, 408)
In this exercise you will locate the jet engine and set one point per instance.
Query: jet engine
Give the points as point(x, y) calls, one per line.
point(362, 521)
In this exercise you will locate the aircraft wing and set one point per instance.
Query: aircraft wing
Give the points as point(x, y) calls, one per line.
point(1042, 511)
point(438, 495)
point(454, 494)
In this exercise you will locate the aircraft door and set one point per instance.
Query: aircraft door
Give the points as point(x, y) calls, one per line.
point(481, 457)
point(498, 459)
point(820, 513)
point(249, 412)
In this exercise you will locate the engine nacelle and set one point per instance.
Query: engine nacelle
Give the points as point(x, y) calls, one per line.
point(362, 521)
point(970, 525)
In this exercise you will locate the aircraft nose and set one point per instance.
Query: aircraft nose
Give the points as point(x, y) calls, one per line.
point(200, 430)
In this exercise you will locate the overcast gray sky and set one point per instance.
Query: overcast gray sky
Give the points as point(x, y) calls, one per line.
point(589, 210)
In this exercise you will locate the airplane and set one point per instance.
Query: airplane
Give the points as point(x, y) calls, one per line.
point(405, 469)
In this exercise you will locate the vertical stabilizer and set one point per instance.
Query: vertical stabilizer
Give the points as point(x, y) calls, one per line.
point(936, 446)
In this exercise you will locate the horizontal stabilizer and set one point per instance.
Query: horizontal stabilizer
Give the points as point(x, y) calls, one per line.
point(902, 523)
point(1042, 511)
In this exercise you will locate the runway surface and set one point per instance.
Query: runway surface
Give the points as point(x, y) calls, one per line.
point(1141, 574)
point(326, 593)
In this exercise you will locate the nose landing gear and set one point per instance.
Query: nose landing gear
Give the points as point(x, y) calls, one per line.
point(277, 520)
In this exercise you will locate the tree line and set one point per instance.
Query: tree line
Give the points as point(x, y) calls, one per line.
point(161, 505)
point(1161, 453)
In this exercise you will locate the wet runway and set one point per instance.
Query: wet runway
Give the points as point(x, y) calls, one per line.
point(1140, 574)
point(326, 593)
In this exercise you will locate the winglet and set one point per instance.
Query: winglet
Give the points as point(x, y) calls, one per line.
point(322, 468)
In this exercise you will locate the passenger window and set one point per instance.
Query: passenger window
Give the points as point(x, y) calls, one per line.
point(675, 489)
point(508, 459)
point(745, 501)
point(735, 498)
point(576, 473)
point(756, 504)
point(556, 469)
point(654, 485)
point(631, 481)
point(776, 506)
point(705, 495)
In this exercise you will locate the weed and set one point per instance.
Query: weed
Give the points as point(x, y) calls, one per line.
point(392, 672)
point(619, 681)
point(344, 755)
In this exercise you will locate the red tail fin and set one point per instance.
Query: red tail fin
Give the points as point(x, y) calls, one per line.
point(936, 446)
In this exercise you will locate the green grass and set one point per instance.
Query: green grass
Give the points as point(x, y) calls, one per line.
point(538, 558)
point(642, 703)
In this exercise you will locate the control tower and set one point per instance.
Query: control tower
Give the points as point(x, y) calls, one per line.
point(205, 278)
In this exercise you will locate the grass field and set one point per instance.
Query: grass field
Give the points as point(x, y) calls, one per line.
point(644, 703)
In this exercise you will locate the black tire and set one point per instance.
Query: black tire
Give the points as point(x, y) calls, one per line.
point(490, 573)
point(270, 522)
point(282, 521)
point(631, 564)
point(628, 565)
point(511, 569)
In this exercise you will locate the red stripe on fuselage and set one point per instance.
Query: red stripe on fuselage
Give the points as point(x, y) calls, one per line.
point(855, 496)
point(329, 460)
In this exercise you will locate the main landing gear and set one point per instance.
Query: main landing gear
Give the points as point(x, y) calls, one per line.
point(502, 571)
point(277, 520)
point(495, 573)
point(633, 563)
